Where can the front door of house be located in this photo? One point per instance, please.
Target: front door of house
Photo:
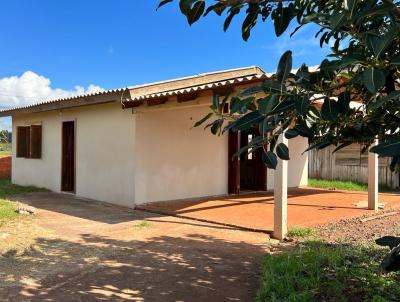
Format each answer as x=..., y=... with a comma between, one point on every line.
x=68, y=157
x=249, y=172
x=251, y=177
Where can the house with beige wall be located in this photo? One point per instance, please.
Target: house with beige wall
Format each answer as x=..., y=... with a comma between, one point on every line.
x=137, y=145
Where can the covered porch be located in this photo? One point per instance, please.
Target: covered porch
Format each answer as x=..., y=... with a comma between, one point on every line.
x=306, y=207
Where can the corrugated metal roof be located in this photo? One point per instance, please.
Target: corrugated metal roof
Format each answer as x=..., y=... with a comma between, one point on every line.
x=197, y=88
x=254, y=67
x=48, y=102
x=153, y=90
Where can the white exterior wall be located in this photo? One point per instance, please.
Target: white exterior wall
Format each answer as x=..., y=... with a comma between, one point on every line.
x=176, y=161
x=297, y=165
x=128, y=159
x=104, y=144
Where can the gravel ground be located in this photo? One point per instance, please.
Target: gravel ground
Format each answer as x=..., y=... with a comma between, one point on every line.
x=362, y=232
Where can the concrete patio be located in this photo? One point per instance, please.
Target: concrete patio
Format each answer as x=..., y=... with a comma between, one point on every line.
x=307, y=207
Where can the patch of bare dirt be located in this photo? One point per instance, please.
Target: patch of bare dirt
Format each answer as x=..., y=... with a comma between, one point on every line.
x=363, y=230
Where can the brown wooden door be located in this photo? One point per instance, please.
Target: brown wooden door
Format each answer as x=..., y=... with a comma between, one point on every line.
x=68, y=157
x=253, y=173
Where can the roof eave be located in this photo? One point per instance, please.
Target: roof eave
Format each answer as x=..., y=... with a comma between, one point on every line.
x=79, y=101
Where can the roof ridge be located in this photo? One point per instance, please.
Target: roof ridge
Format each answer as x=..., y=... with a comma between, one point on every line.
x=194, y=76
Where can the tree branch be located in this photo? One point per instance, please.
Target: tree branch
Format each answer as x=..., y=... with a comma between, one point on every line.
x=396, y=9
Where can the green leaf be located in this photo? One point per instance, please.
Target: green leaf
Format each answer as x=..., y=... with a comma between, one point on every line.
x=337, y=20
x=302, y=104
x=330, y=110
x=282, y=17
x=268, y=104
x=248, y=120
x=198, y=123
x=313, y=113
x=252, y=90
x=304, y=131
x=282, y=151
x=196, y=12
x=164, y=2
x=379, y=44
x=379, y=102
x=291, y=133
x=222, y=104
x=342, y=146
x=217, y=8
x=269, y=159
x=346, y=61
x=373, y=79
x=395, y=60
x=216, y=125
x=350, y=5
x=255, y=143
x=344, y=102
x=376, y=104
x=273, y=87
x=248, y=23
x=185, y=6
x=228, y=20
x=390, y=148
x=272, y=143
x=286, y=105
x=215, y=102
x=284, y=66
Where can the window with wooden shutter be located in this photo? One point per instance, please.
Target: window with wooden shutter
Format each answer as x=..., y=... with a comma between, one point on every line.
x=29, y=141
x=23, y=141
x=36, y=141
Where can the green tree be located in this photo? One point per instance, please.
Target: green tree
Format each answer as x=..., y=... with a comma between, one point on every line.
x=362, y=67
x=5, y=136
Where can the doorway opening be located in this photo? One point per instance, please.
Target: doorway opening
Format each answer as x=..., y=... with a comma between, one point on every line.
x=247, y=173
x=68, y=157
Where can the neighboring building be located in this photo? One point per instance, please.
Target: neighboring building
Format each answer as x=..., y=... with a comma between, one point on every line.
x=138, y=145
x=349, y=164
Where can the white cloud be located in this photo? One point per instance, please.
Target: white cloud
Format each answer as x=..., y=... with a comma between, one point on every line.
x=31, y=88
x=5, y=123
x=303, y=43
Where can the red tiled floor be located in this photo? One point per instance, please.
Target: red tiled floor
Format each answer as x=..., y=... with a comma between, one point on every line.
x=306, y=207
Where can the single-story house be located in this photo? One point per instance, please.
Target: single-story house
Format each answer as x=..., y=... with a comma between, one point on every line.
x=137, y=144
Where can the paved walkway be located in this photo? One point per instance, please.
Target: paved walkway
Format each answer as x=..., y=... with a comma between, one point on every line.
x=306, y=207
x=102, y=252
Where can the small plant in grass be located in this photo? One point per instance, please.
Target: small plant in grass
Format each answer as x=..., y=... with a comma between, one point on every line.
x=142, y=224
x=7, y=189
x=301, y=232
x=318, y=271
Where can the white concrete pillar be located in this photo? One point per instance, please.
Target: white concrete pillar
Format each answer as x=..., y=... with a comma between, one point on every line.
x=280, y=195
x=373, y=173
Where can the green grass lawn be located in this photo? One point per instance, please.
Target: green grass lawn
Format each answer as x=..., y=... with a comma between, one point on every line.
x=317, y=271
x=7, y=208
x=347, y=185
x=5, y=149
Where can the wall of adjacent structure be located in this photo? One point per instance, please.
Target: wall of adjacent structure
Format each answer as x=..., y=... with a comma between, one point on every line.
x=104, y=144
x=349, y=164
x=174, y=160
x=297, y=165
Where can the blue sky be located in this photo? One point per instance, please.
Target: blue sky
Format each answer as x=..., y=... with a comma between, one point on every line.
x=111, y=44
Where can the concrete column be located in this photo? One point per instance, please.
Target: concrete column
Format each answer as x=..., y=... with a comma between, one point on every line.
x=373, y=173
x=280, y=195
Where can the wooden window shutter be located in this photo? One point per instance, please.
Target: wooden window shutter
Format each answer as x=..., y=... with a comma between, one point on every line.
x=36, y=141
x=23, y=141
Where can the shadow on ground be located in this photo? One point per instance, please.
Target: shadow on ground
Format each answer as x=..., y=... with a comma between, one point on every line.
x=95, y=268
